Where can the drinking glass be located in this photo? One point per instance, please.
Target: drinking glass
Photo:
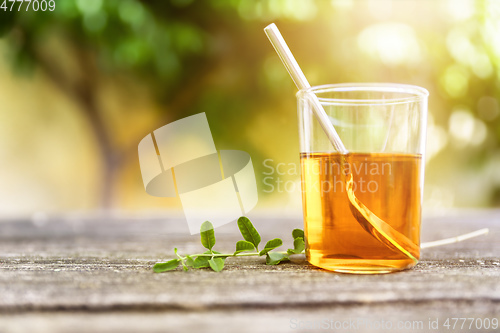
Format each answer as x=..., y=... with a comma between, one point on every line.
x=362, y=210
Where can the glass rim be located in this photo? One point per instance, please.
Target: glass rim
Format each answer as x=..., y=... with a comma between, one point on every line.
x=416, y=93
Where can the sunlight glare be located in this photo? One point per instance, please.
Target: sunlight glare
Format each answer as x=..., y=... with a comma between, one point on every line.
x=394, y=43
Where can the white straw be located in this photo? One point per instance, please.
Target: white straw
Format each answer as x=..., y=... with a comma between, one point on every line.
x=455, y=239
x=301, y=82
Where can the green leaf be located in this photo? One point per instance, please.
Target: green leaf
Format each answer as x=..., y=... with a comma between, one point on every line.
x=185, y=268
x=166, y=266
x=271, y=245
x=298, y=233
x=242, y=246
x=274, y=258
x=189, y=261
x=248, y=231
x=298, y=246
x=201, y=262
x=217, y=264
x=207, y=235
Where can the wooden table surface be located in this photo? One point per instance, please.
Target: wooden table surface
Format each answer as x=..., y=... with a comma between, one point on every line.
x=93, y=274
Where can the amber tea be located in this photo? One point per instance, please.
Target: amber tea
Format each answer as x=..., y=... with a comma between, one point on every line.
x=388, y=184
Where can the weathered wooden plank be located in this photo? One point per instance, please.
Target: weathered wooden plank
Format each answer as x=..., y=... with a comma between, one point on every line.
x=71, y=271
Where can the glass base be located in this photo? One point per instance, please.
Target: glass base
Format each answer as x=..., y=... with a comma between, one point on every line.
x=362, y=266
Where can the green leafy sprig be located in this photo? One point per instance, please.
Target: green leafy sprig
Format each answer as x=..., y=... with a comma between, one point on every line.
x=248, y=247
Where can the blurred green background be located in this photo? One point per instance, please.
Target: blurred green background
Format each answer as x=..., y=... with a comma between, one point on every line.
x=80, y=86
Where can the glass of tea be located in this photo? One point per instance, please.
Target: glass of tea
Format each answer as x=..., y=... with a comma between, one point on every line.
x=362, y=210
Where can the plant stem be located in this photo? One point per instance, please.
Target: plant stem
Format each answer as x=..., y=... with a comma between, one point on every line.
x=247, y=254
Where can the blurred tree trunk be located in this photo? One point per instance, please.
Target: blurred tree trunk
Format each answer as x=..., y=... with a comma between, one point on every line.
x=84, y=94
